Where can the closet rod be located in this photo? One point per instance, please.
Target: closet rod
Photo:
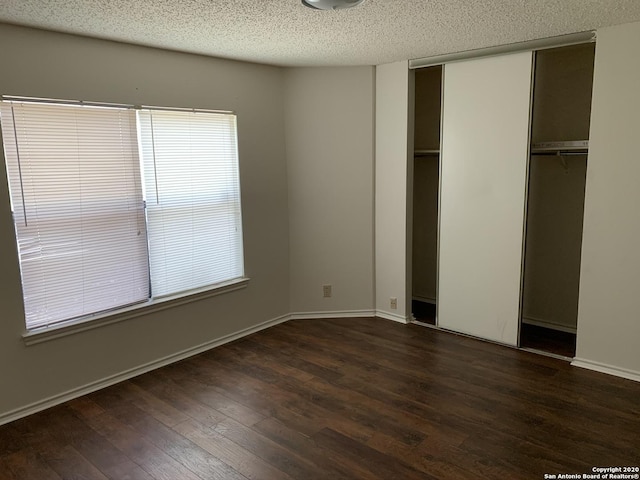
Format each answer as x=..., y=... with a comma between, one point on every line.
x=571, y=147
x=559, y=153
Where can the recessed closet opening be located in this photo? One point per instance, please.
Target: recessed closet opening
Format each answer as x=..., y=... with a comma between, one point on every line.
x=557, y=172
x=426, y=181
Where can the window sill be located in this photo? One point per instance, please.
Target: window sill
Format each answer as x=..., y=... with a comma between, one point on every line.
x=44, y=334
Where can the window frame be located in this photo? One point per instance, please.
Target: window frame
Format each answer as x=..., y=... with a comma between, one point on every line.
x=221, y=193
x=98, y=320
x=43, y=333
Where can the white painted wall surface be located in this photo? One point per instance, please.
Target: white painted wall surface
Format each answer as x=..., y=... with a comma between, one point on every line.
x=44, y=64
x=392, y=114
x=608, y=313
x=485, y=132
x=329, y=145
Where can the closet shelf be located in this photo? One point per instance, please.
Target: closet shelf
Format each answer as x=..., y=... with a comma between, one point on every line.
x=574, y=147
x=426, y=153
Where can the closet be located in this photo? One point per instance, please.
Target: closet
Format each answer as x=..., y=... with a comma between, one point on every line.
x=426, y=180
x=555, y=201
x=499, y=169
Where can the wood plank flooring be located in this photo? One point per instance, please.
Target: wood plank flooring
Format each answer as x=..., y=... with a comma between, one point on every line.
x=337, y=399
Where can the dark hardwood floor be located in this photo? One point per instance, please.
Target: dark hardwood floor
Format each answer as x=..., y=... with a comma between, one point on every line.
x=338, y=399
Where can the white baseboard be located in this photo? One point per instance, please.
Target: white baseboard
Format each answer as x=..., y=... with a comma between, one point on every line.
x=553, y=326
x=608, y=369
x=133, y=372
x=332, y=314
x=393, y=317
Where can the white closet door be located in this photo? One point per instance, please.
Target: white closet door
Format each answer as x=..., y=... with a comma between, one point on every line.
x=485, y=136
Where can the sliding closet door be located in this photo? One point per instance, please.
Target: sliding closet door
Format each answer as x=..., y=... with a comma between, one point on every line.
x=485, y=136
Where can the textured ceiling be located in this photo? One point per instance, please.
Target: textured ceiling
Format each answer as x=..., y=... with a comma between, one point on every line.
x=283, y=32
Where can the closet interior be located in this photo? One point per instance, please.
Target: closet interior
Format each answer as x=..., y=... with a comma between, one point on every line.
x=557, y=172
x=426, y=180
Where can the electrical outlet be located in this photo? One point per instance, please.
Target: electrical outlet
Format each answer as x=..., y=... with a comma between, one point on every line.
x=326, y=291
x=394, y=303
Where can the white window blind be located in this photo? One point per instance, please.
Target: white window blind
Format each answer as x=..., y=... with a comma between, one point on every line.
x=192, y=191
x=77, y=199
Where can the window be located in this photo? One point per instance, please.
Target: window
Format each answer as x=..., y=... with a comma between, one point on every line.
x=114, y=206
x=193, y=199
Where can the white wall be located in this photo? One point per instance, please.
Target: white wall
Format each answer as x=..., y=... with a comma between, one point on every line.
x=608, y=313
x=392, y=144
x=42, y=64
x=329, y=146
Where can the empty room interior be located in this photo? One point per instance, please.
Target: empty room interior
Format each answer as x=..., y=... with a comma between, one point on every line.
x=345, y=239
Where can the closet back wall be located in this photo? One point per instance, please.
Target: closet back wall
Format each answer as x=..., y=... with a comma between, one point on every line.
x=426, y=182
x=561, y=113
